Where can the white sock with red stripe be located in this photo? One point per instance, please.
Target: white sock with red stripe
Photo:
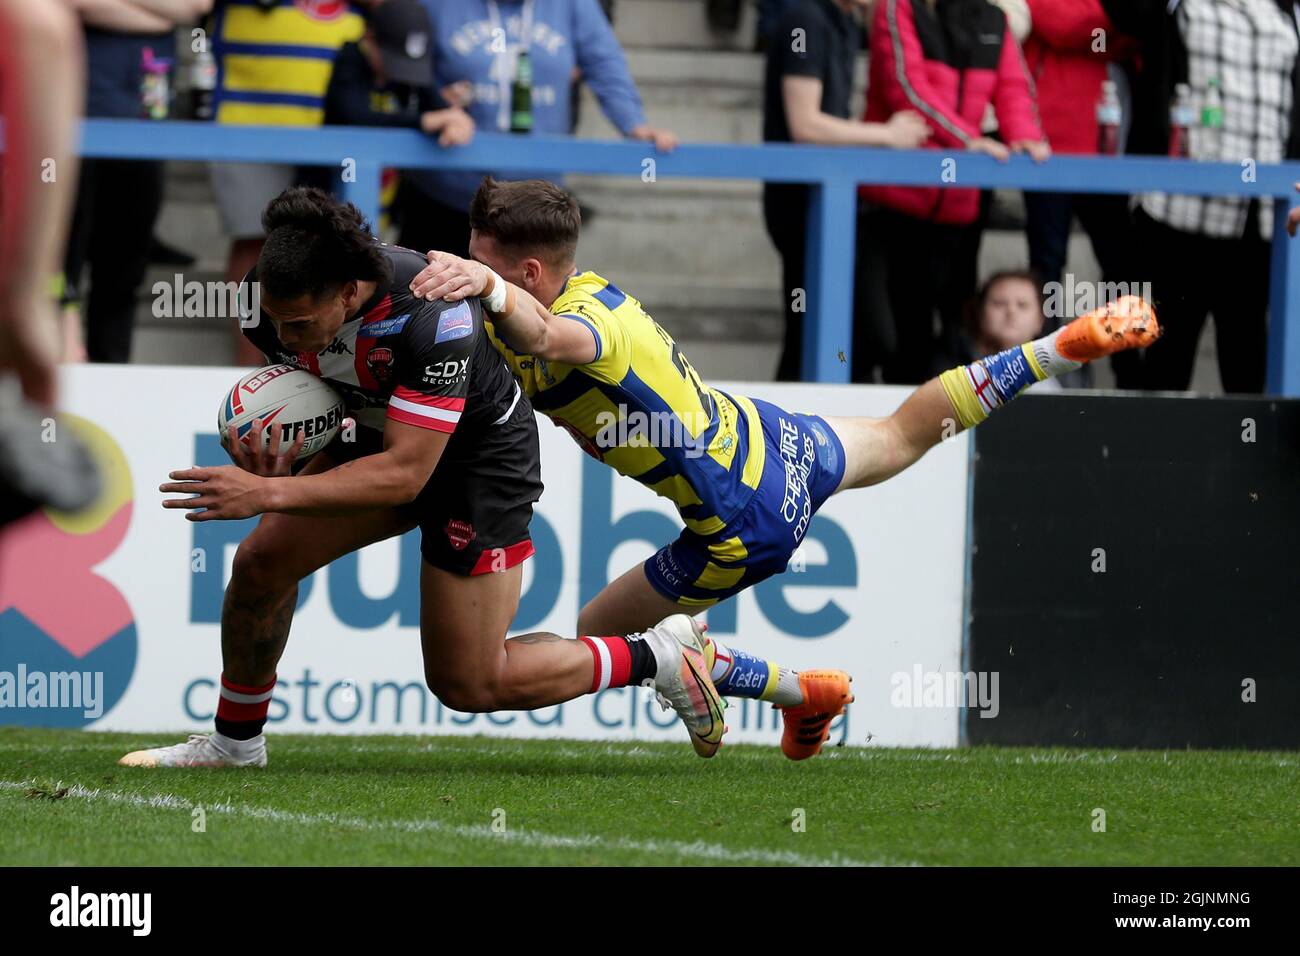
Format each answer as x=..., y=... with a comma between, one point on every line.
x=619, y=662
x=241, y=709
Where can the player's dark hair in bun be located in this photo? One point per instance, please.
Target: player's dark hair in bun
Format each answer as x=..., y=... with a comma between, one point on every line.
x=314, y=244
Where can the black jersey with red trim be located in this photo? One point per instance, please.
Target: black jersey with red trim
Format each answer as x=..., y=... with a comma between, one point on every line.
x=429, y=364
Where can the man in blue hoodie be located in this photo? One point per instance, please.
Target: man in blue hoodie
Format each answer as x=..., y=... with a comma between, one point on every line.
x=477, y=47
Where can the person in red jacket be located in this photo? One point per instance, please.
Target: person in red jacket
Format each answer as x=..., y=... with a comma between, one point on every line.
x=949, y=60
x=1071, y=50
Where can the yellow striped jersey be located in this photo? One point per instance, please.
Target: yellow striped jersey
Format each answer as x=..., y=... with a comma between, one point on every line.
x=274, y=64
x=641, y=408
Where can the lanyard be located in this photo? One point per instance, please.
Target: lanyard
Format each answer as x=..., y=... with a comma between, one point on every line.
x=506, y=67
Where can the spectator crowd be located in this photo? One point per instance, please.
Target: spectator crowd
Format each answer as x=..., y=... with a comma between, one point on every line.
x=1209, y=80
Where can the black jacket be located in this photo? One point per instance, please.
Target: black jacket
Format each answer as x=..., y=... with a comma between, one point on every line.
x=350, y=98
x=1164, y=66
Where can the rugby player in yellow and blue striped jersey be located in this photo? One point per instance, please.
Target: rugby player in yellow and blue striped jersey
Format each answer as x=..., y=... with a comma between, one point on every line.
x=745, y=475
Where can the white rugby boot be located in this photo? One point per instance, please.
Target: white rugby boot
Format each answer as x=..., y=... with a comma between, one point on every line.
x=683, y=683
x=202, y=750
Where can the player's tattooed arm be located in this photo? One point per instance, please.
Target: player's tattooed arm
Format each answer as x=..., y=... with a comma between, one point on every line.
x=538, y=638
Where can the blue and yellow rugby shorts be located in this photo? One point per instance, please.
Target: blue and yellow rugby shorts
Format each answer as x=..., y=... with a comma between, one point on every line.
x=803, y=467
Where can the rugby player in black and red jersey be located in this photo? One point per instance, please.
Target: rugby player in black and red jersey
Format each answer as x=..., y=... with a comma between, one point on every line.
x=445, y=442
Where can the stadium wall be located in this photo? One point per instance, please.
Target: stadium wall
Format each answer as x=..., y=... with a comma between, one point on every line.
x=130, y=595
x=1135, y=572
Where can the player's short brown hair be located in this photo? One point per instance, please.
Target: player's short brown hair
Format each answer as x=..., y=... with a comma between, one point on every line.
x=529, y=216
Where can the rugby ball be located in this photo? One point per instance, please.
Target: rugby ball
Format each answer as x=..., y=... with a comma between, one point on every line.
x=286, y=398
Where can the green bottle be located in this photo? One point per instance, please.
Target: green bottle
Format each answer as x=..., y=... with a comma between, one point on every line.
x=521, y=96
x=1212, y=121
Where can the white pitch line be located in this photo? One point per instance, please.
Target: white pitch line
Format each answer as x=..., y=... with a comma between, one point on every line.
x=632, y=749
x=693, y=850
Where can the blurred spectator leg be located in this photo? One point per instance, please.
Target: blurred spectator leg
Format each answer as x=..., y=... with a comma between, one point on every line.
x=723, y=15
x=874, y=338
x=1239, y=301
x=917, y=271
x=1047, y=227
x=242, y=191
x=128, y=197
x=244, y=254
x=78, y=250
x=1048, y=218
x=790, y=365
x=1181, y=275
x=164, y=254
x=427, y=224
x=960, y=284
x=1109, y=225
x=785, y=214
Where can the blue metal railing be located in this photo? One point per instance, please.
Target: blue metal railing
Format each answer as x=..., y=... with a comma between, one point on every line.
x=833, y=173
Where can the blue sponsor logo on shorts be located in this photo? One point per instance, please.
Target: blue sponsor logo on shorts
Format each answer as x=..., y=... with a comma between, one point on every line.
x=384, y=327
x=826, y=452
x=455, y=323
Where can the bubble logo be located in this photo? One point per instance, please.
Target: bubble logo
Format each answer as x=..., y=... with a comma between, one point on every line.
x=68, y=640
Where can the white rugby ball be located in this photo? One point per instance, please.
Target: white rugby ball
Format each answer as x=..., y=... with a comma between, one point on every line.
x=289, y=399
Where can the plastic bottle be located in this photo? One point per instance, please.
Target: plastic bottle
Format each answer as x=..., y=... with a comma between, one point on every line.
x=203, y=84
x=155, y=86
x=1212, y=122
x=1109, y=117
x=1182, y=117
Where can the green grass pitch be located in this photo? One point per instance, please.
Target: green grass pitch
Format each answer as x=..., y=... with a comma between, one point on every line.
x=475, y=800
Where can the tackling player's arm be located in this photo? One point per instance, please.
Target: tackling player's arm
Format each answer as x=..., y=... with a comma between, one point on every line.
x=519, y=318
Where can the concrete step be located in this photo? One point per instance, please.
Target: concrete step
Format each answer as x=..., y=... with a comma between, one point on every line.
x=690, y=227
x=678, y=24
x=182, y=344
x=744, y=256
x=695, y=306
x=194, y=228
x=736, y=361
x=704, y=99
x=700, y=76
x=739, y=122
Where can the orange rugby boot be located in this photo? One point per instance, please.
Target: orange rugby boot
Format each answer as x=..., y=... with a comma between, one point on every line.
x=825, y=695
x=1127, y=323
